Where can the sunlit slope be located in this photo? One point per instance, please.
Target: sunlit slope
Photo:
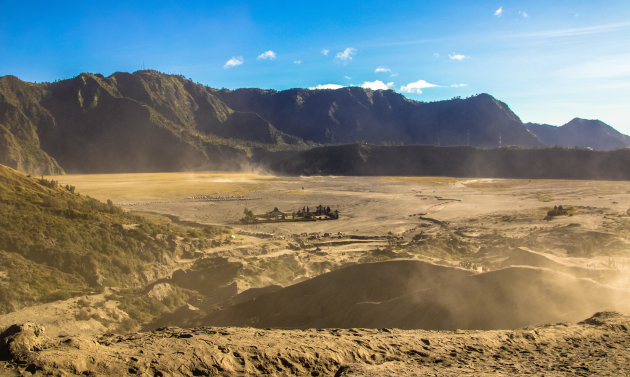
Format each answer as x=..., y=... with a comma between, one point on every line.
x=55, y=243
x=20, y=116
x=147, y=186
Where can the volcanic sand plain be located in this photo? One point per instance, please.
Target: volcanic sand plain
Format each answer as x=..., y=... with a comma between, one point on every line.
x=467, y=224
x=462, y=222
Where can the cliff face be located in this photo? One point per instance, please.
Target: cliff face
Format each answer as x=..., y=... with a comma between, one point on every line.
x=126, y=122
x=20, y=115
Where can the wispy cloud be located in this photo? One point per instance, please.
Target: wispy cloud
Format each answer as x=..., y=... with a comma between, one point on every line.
x=297, y=62
x=458, y=57
x=577, y=31
x=346, y=54
x=382, y=69
x=233, y=62
x=267, y=55
x=603, y=67
x=416, y=87
x=326, y=86
x=499, y=11
x=377, y=85
x=325, y=52
x=458, y=85
x=410, y=42
x=347, y=77
x=523, y=13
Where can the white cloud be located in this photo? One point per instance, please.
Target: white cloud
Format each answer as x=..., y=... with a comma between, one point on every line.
x=297, y=62
x=416, y=87
x=458, y=85
x=382, y=69
x=498, y=12
x=347, y=77
x=235, y=61
x=346, y=54
x=267, y=55
x=326, y=86
x=377, y=85
x=458, y=57
x=523, y=13
x=325, y=52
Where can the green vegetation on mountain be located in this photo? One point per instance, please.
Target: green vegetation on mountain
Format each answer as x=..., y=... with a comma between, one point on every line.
x=24, y=282
x=143, y=308
x=55, y=243
x=20, y=116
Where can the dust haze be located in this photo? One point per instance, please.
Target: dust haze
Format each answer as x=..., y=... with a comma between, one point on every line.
x=409, y=253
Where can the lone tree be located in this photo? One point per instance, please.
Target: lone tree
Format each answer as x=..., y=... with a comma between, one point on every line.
x=556, y=211
x=249, y=216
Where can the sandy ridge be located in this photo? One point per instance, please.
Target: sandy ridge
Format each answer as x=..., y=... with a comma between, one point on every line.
x=599, y=345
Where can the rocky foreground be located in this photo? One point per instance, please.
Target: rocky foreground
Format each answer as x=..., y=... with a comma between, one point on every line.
x=599, y=345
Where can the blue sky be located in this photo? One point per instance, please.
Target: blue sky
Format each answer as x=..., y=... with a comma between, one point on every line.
x=548, y=60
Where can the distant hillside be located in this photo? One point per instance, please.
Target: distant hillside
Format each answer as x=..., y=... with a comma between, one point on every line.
x=352, y=115
x=150, y=121
x=55, y=243
x=582, y=133
x=359, y=159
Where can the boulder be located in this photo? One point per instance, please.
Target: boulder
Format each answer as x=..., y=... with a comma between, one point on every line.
x=17, y=342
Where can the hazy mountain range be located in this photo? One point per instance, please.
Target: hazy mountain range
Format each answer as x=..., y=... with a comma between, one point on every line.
x=581, y=133
x=149, y=121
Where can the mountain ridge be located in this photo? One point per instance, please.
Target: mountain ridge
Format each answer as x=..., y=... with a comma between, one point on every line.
x=589, y=133
x=368, y=114
x=150, y=121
